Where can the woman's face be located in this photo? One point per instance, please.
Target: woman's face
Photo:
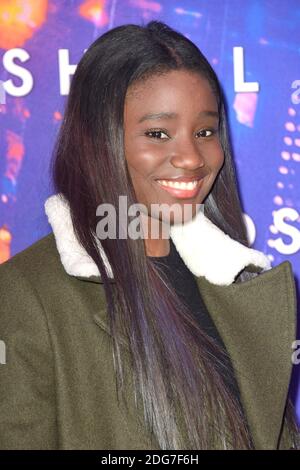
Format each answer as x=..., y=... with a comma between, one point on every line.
x=170, y=132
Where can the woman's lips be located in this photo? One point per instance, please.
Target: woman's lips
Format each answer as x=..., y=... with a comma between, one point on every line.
x=182, y=193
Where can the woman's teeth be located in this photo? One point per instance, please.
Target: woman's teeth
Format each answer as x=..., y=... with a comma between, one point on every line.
x=179, y=185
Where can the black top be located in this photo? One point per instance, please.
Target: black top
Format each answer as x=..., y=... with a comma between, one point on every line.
x=185, y=284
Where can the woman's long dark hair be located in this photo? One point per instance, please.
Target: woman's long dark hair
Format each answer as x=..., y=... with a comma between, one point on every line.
x=179, y=372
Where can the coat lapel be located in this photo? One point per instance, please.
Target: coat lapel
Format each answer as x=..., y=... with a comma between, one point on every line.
x=256, y=319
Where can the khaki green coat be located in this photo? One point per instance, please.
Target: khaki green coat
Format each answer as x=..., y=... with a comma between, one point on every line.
x=57, y=385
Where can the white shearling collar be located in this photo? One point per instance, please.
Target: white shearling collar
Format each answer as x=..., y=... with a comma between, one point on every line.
x=205, y=249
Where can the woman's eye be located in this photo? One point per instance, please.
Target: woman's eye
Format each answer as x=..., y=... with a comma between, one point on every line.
x=155, y=134
x=208, y=132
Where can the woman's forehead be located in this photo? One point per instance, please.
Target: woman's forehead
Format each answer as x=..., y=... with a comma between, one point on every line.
x=169, y=95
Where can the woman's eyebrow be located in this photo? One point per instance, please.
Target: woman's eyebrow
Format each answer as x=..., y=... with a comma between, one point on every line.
x=172, y=115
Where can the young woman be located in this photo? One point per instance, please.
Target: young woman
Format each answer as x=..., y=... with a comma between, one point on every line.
x=177, y=342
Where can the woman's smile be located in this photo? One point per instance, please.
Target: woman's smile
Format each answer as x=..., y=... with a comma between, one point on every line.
x=181, y=189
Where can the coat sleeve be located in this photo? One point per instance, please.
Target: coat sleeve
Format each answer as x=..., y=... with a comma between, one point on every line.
x=27, y=380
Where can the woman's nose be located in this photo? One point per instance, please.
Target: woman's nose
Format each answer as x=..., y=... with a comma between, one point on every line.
x=187, y=155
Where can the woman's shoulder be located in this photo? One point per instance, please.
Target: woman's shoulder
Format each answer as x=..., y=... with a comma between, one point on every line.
x=35, y=288
x=38, y=270
x=40, y=258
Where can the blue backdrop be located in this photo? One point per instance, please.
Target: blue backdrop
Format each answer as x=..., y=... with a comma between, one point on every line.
x=253, y=45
